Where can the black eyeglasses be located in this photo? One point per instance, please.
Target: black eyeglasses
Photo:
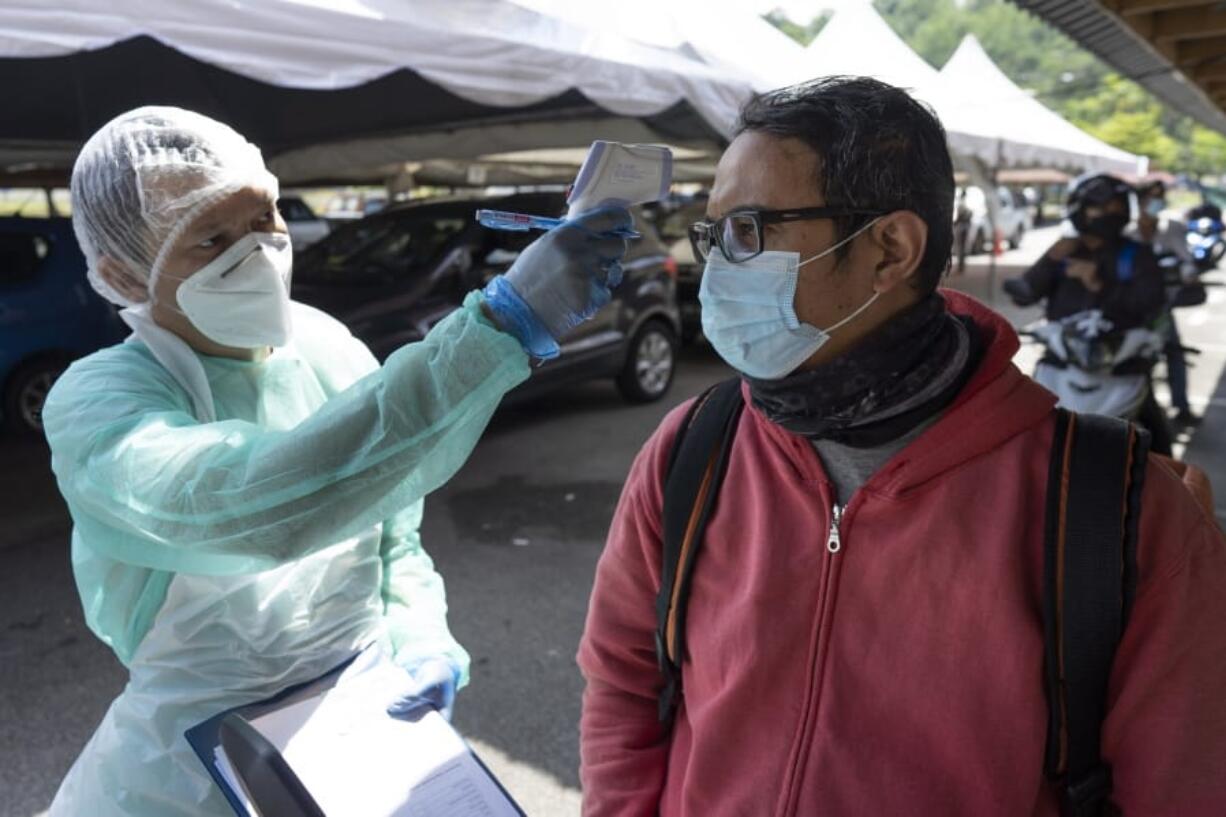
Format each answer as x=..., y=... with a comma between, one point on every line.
x=739, y=234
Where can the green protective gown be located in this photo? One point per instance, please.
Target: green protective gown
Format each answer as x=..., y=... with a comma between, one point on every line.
x=223, y=561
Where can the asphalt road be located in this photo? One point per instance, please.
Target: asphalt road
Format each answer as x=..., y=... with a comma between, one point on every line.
x=516, y=535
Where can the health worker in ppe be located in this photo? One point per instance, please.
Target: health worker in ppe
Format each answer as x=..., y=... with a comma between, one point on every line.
x=245, y=480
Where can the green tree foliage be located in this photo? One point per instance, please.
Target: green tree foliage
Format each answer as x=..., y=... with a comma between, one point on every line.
x=1140, y=133
x=1123, y=114
x=802, y=34
x=1206, y=152
x=1061, y=74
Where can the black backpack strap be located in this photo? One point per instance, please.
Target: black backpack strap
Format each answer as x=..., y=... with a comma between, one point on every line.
x=697, y=464
x=1089, y=580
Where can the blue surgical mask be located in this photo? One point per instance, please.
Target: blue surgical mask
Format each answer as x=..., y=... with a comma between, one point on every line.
x=1154, y=207
x=749, y=314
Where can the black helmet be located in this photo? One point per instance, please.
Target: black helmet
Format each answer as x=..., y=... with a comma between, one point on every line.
x=1099, y=191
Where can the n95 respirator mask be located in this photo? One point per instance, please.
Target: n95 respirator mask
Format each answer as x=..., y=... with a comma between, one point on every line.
x=241, y=298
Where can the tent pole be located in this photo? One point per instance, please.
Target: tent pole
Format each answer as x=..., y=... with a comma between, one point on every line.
x=992, y=251
x=992, y=218
x=983, y=176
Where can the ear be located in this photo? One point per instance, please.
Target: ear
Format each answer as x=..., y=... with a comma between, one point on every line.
x=121, y=280
x=901, y=238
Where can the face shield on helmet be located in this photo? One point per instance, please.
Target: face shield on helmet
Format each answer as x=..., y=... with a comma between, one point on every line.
x=142, y=179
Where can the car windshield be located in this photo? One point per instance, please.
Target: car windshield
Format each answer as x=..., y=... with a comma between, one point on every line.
x=673, y=223
x=295, y=210
x=379, y=249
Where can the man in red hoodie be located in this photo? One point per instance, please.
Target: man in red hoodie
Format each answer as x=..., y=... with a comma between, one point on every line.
x=865, y=630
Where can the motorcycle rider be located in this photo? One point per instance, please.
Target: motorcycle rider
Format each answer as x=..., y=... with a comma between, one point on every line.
x=1167, y=236
x=1100, y=269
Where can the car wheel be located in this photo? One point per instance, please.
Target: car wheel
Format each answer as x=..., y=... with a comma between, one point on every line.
x=1016, y=240
x=650, y=363
x=26, y=392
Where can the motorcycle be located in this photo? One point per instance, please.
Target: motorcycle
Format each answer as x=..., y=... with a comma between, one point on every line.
x=1207, y=242
x=1093, y=368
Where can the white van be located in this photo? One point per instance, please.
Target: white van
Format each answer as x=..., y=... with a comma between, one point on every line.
x=1013, y=217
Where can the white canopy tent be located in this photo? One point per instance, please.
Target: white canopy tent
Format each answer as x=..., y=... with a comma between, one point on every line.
x=725, y=34
x=329, y=86
x=858, y=41
x=987, y=117
x=336, y=88
x=978, y=99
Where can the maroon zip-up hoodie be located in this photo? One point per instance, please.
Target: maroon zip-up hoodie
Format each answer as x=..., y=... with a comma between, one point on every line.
x=902, y=675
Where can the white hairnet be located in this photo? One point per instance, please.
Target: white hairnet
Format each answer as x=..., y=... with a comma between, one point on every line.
x=144, y=177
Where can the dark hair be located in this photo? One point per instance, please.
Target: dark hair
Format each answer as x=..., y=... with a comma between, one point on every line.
x=878, y=148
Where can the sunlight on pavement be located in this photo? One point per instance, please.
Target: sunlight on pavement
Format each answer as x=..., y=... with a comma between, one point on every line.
x=537, y=792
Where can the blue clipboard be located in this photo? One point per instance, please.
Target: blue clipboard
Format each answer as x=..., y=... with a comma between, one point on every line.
x=205, y=737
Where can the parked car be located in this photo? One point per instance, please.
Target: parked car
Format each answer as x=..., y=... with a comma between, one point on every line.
x=49, y=315
x=672, y=219
x=393, y=275
x=1013, y=216
x=305, y=228
x=346, y=207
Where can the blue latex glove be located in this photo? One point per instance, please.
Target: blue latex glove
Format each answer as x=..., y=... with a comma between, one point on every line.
x=431, y=685
x=561, y=279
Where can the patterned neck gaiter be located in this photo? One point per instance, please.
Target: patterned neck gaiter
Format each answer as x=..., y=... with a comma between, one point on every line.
x=901, y=375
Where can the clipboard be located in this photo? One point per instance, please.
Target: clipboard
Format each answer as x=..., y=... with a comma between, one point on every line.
x=352, y=757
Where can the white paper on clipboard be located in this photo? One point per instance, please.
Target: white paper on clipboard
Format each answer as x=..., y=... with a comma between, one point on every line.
x=358, y=761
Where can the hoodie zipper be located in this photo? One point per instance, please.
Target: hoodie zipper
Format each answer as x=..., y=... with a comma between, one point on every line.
x=818, y=650
x=834, y=542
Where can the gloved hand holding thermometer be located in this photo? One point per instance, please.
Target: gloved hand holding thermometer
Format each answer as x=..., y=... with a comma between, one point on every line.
x=567, y=275
x=560, y=280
